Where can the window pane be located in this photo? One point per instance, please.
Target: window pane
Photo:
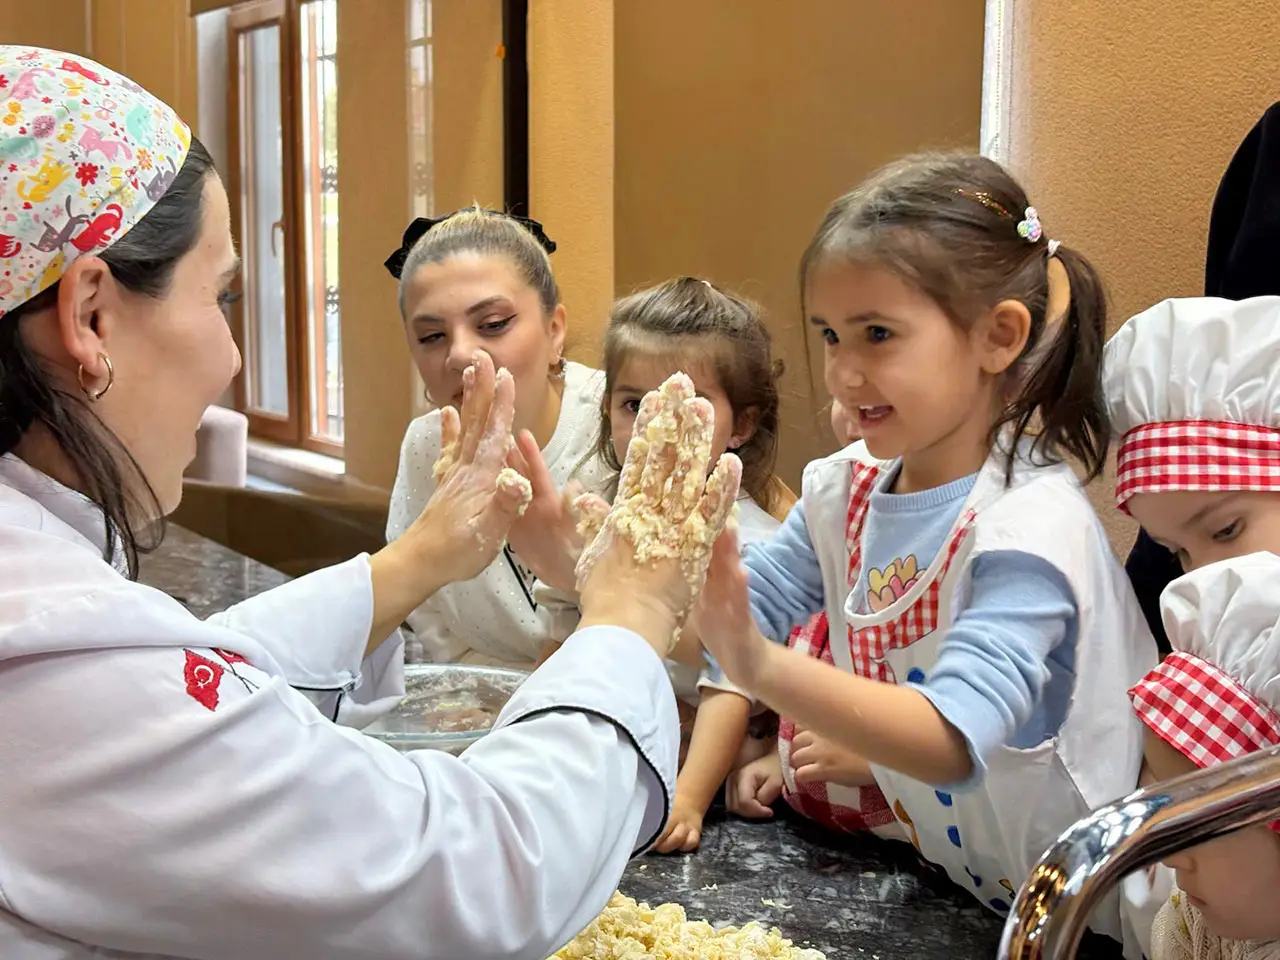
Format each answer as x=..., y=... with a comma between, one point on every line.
x=319, y=85
x=262, y=227
x=420, y=78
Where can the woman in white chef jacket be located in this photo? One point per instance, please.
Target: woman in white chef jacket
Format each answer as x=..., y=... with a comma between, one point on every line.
x=167, y=791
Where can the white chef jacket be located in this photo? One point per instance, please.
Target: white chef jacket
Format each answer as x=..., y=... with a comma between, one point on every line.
x=168, y=792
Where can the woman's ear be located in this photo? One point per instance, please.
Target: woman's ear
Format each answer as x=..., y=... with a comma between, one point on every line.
x=84, y=326
x=557, y=325
x=1001, y=335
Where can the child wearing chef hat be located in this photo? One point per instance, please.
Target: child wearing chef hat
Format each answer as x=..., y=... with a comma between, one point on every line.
x=1216, y=698
x=1193, y=390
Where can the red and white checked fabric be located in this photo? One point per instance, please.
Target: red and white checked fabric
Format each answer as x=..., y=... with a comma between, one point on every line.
x=812, y=800
x=867, y=648
x=1203, y=712
x=868, y=644
x=1189, y=455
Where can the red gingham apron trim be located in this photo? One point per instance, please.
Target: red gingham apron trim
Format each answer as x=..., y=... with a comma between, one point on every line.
x=811, y=800
x=1189, y=455
x=1203, y=712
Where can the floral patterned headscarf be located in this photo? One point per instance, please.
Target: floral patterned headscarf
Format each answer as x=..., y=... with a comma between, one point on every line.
x=84, y=155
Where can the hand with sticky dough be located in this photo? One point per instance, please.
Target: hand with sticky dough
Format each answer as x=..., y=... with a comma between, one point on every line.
x=465, y=522
x=649, y=557
x=478, y=496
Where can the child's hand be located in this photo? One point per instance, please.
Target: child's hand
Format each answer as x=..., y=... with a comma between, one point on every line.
x=723, y=616
x=684, y=829
x=752, y=791
x=818, y=760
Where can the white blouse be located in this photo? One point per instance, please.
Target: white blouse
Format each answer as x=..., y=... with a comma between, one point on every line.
x=169, y=791
x=493, y=614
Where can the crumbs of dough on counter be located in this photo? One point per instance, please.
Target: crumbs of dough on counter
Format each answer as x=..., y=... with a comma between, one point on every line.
x=634, y=931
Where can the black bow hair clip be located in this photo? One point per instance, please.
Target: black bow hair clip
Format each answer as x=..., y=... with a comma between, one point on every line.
x=421, y=226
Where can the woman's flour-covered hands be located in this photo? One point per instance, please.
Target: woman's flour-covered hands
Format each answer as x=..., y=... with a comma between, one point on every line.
x=648, y=559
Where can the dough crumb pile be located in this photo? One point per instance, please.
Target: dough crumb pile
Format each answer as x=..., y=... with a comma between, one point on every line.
x=634, y=931
x=512, y=481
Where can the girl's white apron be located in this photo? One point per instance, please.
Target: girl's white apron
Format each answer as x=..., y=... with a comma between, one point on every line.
x=988, y=838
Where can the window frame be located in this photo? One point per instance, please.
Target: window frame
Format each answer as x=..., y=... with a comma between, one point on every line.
x=294, y=429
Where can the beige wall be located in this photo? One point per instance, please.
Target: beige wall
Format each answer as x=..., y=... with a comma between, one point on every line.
x=150, y=41
x=57, y=24
x=1124, y=117
x=738, y=121
x=374, y=207
x=571, y=153
x=466, y=102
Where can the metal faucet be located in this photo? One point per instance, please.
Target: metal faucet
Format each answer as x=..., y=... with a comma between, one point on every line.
x=1089, y=859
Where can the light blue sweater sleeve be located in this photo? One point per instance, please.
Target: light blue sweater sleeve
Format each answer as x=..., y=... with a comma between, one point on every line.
x=1006, y=667
x=785, y=580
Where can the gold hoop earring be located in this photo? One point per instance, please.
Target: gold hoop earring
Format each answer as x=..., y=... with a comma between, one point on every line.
x=95, y=396
x=557, y=373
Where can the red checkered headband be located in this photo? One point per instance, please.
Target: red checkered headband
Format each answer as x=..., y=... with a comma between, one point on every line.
x=1217, y=696
x=1193, y=389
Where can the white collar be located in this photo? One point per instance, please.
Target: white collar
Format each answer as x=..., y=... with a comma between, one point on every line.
x=60, y=511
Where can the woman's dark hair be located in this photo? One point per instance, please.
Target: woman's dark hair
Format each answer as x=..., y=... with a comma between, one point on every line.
x=143, y=262
x=690, y=321
x=948, y=225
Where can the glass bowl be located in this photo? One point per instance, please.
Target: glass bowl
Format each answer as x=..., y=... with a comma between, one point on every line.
x=446, y=706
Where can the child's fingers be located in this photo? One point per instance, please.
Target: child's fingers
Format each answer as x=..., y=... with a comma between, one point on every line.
x=810, y=773
x=770, y=791
x=675, y=839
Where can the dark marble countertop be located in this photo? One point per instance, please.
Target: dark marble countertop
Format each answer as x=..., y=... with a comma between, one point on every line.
x=850, y=897
x=203, y=575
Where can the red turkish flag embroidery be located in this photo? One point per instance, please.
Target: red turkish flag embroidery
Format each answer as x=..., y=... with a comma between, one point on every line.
x=230, y=657
x=203, y=677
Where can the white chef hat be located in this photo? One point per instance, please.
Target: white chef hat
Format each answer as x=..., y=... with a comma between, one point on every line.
x=1193, y=390
x=1217, y=696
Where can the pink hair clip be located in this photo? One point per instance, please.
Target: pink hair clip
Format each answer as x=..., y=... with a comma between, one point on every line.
x=1029, y=228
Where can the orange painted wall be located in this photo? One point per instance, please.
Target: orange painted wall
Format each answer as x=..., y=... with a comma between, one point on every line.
x=1123, y=118
x=374, y=208
x=150, y=41
x=467, y=111
x=571, y=154
x=738, y=121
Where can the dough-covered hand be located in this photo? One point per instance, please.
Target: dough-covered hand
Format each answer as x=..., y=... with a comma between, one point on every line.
x=466, y=520
x=649, y=559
